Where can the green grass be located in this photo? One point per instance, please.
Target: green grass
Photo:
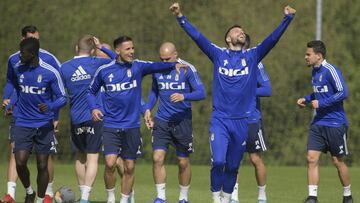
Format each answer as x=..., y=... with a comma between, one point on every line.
x=285, y=184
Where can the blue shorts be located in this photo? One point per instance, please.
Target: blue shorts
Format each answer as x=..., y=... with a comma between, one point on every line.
x=256, y=141
x=126, y=143
x=42, y=139
x=11, y=129
x=179, y=134
x=325, y=138
x=86, y=137
x=228, y=140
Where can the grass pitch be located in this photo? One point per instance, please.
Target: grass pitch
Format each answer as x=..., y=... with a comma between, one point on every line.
x=285, y=184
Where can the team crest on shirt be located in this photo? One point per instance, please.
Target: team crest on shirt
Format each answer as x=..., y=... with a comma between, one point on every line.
x=111, y=76
x=243, y=62
x=39, y=79
x=129, y=72
x=212, y=137
x=176, y=77
x=320, y=78
x=21, y=79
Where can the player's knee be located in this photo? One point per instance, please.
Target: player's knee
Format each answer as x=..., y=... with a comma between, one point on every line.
x=129, y=169
x=256, y=160
x=20, y=163
x=183, y=164
x=42, y=165
x=338, y=162
x=312, y=159
x=110, y=165
x=158, y=159
x=218, y=165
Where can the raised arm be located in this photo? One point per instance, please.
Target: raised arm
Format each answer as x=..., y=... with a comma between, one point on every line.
x=265, y=46
x=264, y=86
x=107, y=51
x=203, y=43
x=148, y=67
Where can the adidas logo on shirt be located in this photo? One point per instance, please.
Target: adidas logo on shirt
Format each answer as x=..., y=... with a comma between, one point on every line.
x=80, y=74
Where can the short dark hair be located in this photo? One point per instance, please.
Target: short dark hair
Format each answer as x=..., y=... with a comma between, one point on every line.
x=118, y=41
x=318, y=46
x=31, y=45
x=227, y=32
x=247, y=41
x=28, y=29
x=86, y=43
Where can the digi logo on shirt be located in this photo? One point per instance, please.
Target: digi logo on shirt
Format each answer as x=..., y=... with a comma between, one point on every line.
x=32, y=89
x=320, y=89
x=121, y=86
x=233, y=72
x=171, y=85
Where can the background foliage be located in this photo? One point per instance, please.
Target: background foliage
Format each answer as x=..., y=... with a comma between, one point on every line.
x=150, y=23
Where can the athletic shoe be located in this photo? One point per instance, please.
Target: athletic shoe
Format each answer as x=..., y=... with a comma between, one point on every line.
x=7, y=199
x=347, y=199
x=311, y=199
x=262, y=201
x=158, y=200
x=183, y=201
x=48, y=199
x=84, y=201
x=30, y=198
x=234, y=201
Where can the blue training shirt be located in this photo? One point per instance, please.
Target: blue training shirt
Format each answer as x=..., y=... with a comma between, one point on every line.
x=122, y=84
x=330, y=90
x=234, y=83
x=77, y=75
x=165, y=84
x=263, y=89
x=35, y=85
x=14, y=60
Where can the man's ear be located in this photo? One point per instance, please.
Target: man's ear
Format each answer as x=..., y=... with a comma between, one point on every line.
x=117, y=51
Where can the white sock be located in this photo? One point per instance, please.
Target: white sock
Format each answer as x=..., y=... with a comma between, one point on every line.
x=86, y=192
x=11, y=189
x=226, y=197
x=81, y=188
x=132, y=196
x=235, y=193
x=313, y=190
x=39, y=200
x=161, y=188
x=216, y=197
x=262, y=192
x=29, y=190
x=111, y=195
x=347, y=190
x=184, y=192
x=49, y=189
x=124, y=198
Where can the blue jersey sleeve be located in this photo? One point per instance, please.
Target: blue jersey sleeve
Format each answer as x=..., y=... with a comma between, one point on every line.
x=58, y=91
x=9, y=87
x=148, y=67
x=109, y=52
x=263, y=82
x=197, y=88
x=153, y=95
x=337, y=82
x=203, y=43
x=265, y=46
x=93, y=90
x=309, y=97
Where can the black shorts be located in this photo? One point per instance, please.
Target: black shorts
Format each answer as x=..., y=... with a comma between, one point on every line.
x=256, y=141
x=42, y=139
x=179, y=134
x=126, y=143
x=325, y=138
x=86, y=137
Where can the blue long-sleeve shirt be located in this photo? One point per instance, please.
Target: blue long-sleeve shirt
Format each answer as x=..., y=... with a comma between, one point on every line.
x=122, y=84
x=77, y=75
x=14, y=60
x=165, y=84
x=263, y=89
x=330, y=90
x=36, y=85
x=234, y=83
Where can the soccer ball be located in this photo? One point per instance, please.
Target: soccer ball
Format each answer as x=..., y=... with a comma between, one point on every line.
x=64, y=195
